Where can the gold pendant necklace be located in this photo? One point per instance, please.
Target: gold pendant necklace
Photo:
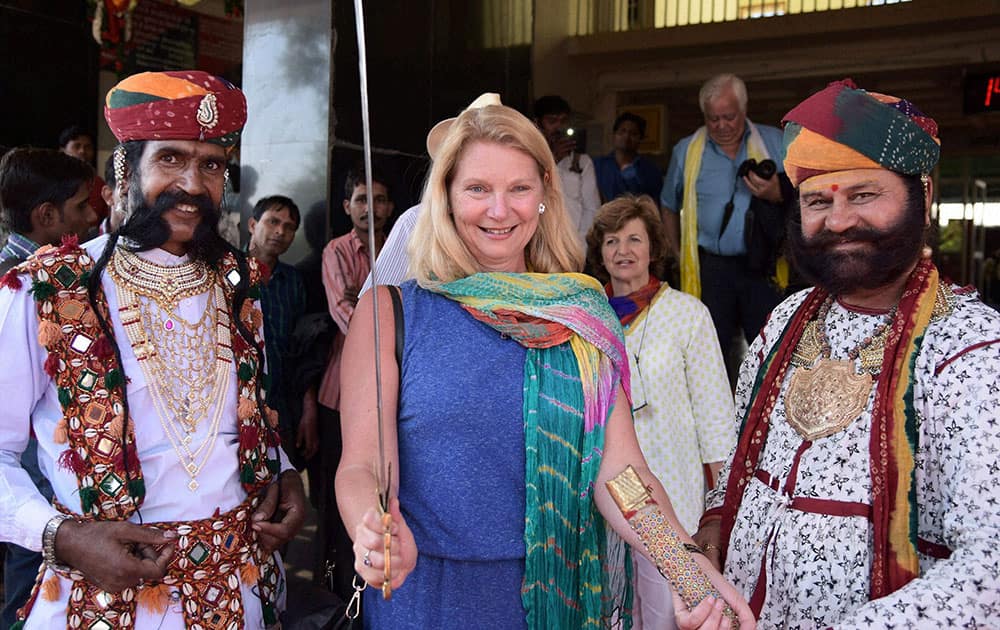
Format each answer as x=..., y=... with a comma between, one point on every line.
x=166, y=285
x=187, y=368
x=826, y=395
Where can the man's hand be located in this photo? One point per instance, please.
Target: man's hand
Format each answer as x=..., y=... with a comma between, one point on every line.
x=766, y=189
x=287, y=498
x=707, y=537
x=707, y=615
x=307, y=436
x=562, y=146
x=114, y=555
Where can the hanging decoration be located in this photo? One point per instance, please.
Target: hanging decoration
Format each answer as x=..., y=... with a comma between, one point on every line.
x=111, y=26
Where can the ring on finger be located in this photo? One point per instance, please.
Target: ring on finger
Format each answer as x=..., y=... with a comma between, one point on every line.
x=367, y=561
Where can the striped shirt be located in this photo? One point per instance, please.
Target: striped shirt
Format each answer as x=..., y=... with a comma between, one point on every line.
x=393, y=262
x=283, y=301
x=345, y=266
x=18, y=246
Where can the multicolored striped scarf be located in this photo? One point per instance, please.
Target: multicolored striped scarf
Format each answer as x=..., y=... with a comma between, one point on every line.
x=894, y=430
x=569, y=391
x=628, y=307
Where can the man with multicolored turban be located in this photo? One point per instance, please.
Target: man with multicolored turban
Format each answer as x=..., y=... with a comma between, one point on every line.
x=863, y=490
x=137, y=361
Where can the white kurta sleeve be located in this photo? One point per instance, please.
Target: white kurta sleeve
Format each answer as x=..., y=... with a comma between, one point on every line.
x=708, y=389
x=23, y=510
x=958, y=489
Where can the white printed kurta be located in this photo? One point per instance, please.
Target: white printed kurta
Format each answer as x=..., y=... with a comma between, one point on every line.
x=688, y=419
x=30, y=402
x=818, y=566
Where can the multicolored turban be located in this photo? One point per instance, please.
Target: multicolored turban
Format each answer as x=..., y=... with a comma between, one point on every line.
x=179, y=105
x=842, y=128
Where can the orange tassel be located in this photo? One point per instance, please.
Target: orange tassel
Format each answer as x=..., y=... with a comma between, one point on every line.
x=154, y=598
x=257, y=318
x=272, y=418
x=48, y=333
x=245, y=409
x=249, y=573
x=115, y=427
x=61, y=434
x=89, y=319
x=51, y=588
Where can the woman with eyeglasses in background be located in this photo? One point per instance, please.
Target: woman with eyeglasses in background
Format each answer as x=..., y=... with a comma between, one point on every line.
x=681, y=401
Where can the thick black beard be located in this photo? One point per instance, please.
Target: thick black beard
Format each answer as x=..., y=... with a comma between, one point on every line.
x=893, y=252
x=146, y=228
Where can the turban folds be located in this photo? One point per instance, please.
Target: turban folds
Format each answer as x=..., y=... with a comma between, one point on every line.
x=842, y=127
x=177, y=105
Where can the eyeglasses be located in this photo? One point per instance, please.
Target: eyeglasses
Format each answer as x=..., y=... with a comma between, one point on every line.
x=638, y=388
x=638, y=385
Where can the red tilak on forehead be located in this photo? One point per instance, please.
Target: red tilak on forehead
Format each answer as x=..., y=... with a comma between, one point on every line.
x=834, y=187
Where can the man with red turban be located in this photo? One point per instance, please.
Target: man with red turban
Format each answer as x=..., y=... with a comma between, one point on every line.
x=862, y=492
x=137, y=360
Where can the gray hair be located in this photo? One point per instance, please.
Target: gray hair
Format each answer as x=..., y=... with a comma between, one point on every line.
x=714, y=88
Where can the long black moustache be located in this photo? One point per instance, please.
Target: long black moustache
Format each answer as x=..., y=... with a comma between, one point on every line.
x=147, y=229
x=896, y=249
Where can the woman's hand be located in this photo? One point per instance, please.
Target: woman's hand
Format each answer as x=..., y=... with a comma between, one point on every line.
x=707, y=615
x=369, y=550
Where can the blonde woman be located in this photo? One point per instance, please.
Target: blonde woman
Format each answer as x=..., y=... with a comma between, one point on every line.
x=511, y=410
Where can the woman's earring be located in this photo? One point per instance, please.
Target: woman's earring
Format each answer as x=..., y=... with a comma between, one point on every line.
x=541, y=208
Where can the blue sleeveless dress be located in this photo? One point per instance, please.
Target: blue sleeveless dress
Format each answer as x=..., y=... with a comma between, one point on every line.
x=461, y=478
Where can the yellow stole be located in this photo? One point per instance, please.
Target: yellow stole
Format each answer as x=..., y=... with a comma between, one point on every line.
x=690, y=271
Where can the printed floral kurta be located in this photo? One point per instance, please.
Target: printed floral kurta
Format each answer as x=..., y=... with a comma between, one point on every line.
x=817, y=565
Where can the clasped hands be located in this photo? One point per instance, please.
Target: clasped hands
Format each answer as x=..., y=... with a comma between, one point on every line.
x=115, y=555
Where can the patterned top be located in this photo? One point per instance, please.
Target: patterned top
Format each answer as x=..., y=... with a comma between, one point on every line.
x=818, y=565
x=688, y=417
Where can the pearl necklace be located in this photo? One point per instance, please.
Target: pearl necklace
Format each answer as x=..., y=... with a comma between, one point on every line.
x=180, y=412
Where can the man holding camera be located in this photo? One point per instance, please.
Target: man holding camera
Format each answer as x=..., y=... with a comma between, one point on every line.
x=576, y=169
x=721, y=198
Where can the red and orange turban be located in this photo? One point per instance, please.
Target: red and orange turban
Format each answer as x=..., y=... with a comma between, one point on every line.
x=180, y=105
x=842, y=127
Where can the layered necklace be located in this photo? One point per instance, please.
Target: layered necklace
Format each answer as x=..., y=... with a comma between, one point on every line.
x=825, y=395
x=187, y=365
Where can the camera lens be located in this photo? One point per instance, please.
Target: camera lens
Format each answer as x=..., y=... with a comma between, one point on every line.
x=766, y=169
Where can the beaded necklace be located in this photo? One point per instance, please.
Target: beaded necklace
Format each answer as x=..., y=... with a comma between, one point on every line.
x=166, y=285
x=185, y=384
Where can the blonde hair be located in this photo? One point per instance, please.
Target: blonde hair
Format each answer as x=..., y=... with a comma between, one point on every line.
x=437, y=252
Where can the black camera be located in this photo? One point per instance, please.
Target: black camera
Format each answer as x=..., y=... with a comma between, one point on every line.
x=765, y=170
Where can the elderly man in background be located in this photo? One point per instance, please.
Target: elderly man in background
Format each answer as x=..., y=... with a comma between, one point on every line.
x=706, y=197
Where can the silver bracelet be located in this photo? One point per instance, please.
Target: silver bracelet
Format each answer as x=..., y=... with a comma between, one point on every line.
x=49, y=542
